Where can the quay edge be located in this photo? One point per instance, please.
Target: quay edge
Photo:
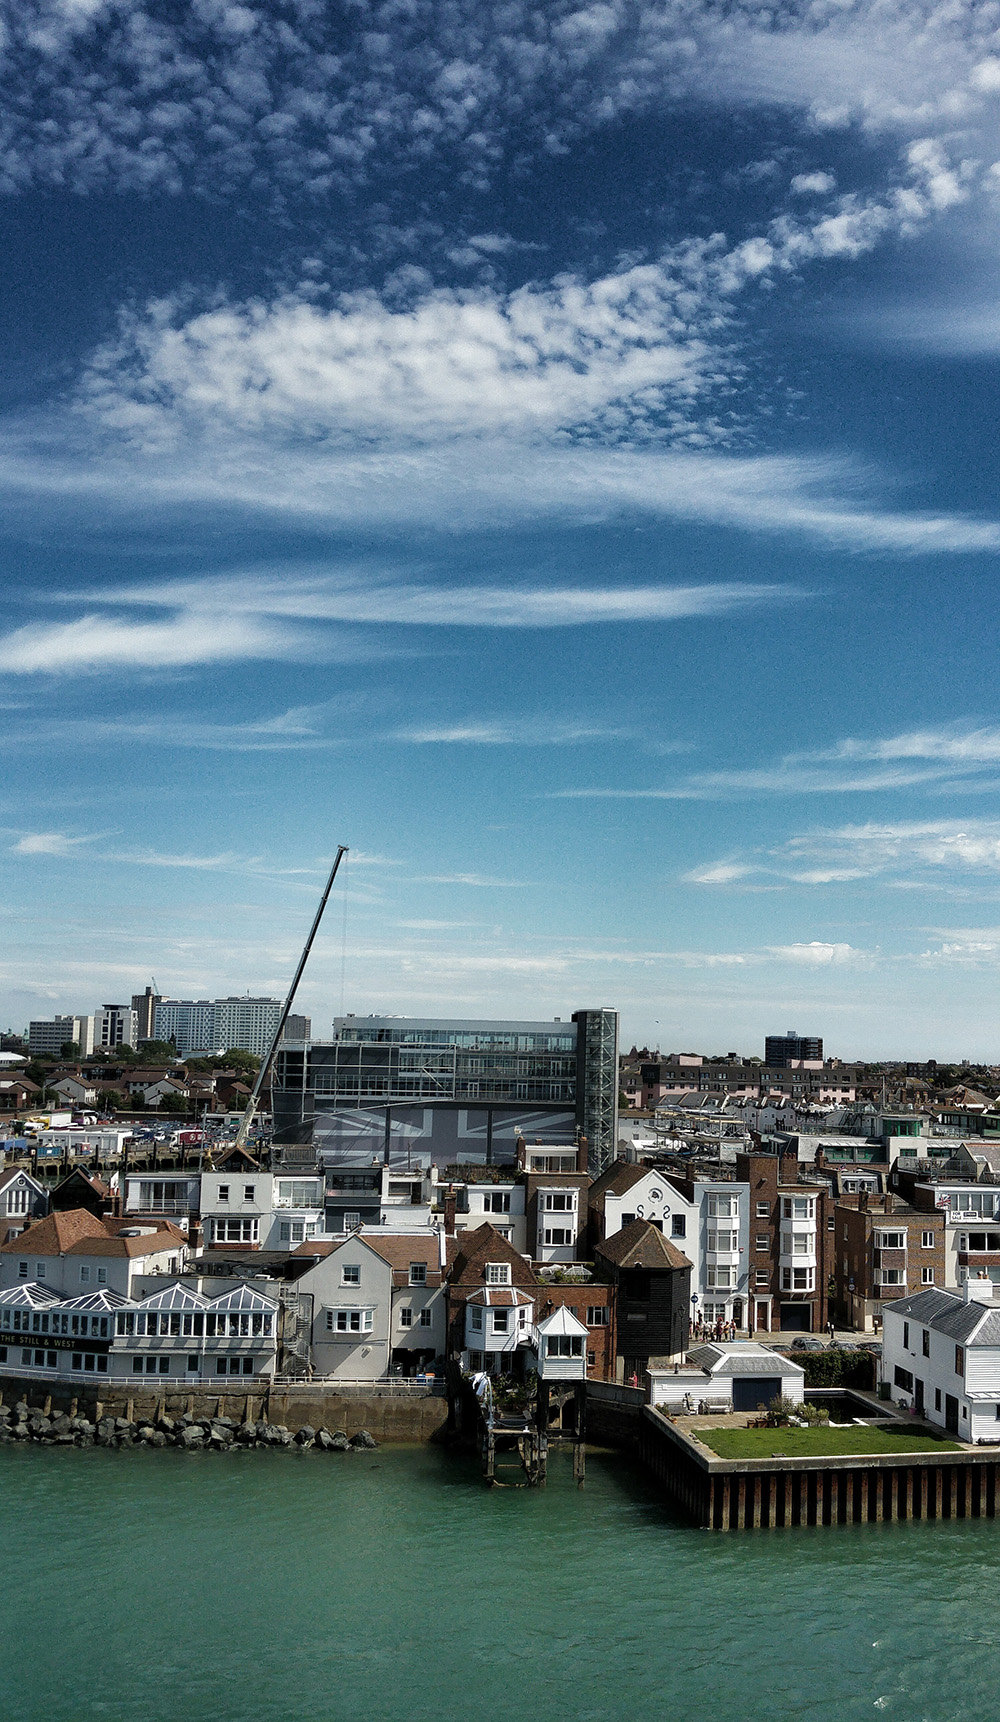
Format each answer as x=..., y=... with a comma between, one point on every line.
x=748, y=1494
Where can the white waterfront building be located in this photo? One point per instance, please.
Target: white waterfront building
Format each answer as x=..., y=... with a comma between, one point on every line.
x=176, y=1334
x=941, y=1358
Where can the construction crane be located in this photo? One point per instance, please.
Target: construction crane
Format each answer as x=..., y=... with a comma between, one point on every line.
x=252, y=1104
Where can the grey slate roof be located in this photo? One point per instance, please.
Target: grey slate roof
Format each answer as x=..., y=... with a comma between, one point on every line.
x=743, y=1360
x=975, y=1323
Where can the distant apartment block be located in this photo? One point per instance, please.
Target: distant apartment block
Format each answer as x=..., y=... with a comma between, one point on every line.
x=218, y=1025
x=46, y=1038
x=144, y=1004
x=115, y=1025
x=459, y=1090
x=783, y=1050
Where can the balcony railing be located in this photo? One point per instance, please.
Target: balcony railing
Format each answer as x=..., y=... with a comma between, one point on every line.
x=161, y=1206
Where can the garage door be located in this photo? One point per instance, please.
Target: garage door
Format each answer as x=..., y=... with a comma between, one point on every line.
x=754, y=1390
x=796, y=1317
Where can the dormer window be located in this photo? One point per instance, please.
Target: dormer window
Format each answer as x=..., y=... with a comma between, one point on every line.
x=418, y=1273
x=498, y=1273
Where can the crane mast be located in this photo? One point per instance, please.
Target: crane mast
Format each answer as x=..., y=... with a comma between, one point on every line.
x=252, y=1104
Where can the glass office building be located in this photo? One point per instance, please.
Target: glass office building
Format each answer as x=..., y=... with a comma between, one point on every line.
x=460, y=1090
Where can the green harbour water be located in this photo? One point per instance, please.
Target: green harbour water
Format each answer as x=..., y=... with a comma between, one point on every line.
x=394, y=1587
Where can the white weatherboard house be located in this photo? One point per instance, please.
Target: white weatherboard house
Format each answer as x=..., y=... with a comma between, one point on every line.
x=560, y=1342
x=941, y=1355
x=498, y=1325
x=737, y=1377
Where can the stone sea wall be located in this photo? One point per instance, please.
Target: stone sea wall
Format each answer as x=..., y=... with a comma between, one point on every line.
x=385, y=1416
x=22, y=1422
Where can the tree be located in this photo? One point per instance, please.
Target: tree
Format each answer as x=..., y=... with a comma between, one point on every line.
x=237, y=1059
x=158, y=1049
x=70, y=1049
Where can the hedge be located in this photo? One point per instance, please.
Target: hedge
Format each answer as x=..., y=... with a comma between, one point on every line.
x=833, y=1367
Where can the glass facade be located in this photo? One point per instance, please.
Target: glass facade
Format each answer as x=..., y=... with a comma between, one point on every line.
x=542, y=1066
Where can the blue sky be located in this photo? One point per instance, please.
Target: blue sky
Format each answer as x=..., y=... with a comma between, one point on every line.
x=551, y=450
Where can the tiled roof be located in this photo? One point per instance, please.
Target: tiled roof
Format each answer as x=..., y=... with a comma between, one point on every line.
x=116, y=1223
x=74, y=1231
x=407, y=1247
x=90, y=1178
x=618, y=1179
x=988, y=1151
x=56, y=1234
x=486, y=1244
x=641, y=1245
x=149, y=1244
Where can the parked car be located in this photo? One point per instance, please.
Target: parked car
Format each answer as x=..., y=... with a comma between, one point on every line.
x=806, y=1343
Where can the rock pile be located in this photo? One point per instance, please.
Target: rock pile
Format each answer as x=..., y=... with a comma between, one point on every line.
x=24, y=1423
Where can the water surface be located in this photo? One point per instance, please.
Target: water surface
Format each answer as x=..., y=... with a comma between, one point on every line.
x=393, y=1587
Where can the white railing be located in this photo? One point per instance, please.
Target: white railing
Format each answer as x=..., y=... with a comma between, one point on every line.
x=159, y=1206
x=406, y=1386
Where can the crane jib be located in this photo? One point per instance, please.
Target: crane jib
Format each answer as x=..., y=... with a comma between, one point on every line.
x=251, y=1107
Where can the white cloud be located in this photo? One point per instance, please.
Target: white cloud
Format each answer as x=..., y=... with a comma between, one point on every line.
x=50, y=843
x=720, y=873
x=626, y=353
x=103, y=643
x=954, y=744
x=817, y=954
x=813, y=184
x=298, y=728
x=539, y=359
x=219, y=95
x=934, y=759
x=478, y=880
x=911, y=853
x=328, y=597
x=232, y=619
x=518, y=732
x=966, y=947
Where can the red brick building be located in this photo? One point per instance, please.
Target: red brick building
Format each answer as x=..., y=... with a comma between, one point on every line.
x=790, y=1256
x=884, y=1250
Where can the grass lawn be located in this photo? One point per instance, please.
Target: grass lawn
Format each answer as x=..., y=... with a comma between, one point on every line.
x=795, y=1443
